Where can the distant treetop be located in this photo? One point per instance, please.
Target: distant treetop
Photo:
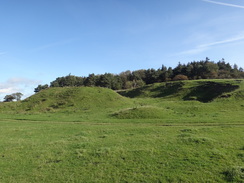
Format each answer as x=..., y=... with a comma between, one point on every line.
x=204, y=69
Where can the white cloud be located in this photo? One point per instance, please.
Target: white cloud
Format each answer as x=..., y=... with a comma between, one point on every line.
x=7, y=90
x=22, y=81
x=18, y=84
x=230, y=40
x=204, y=47
x=224, y=4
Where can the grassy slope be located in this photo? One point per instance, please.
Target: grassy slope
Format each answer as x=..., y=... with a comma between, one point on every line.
x=188, y=101
x=69, y=103
x=103, y=137
x=199, y=90
x=173, y=102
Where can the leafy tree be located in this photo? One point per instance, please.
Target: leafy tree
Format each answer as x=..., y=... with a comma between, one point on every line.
x=117, y=83
x=125, y=77
x=128, y=85
x=178, y=69
x=138, y=83
x=105, y=80
x=91, y=80
x=170, y=73
x=40, y=87
x=152, y=76
x=210, y=70
x=68, y=80
x=138, y=75
x=9, y=98
x=17, y=96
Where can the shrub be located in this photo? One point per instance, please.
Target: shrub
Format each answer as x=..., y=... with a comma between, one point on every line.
x=180, y=77
x=234, y=174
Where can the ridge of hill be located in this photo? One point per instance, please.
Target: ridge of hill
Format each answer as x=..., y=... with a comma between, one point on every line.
x=72, y=98
x=199, y=90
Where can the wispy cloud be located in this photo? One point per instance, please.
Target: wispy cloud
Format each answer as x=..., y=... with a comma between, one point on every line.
x=224, y=4
x=23, y=85
x=55, y=44
x=22, y=81
x=2, y=53
x=204, y=47
x=230, y=40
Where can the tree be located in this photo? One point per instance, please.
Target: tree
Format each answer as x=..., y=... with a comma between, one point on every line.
x=170, y=73
x=91, y=80
x=68, y=80
x=125, y=77
x=138, y=75
x=17, y=96
x=40, y=87
x=106, y=80
x=9, y=98
x=152, y=76
x=178, y=69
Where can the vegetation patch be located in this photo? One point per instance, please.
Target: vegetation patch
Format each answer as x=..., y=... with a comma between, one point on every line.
x=141, y=113
x=208, y=91
x=234, y=174
x=198, y=90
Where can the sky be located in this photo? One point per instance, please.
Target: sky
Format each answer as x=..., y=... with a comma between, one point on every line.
x=44, y=39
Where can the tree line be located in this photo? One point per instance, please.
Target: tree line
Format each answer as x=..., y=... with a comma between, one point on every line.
x=204, y=69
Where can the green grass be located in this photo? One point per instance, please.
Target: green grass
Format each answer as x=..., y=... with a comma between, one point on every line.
x=161, y=134
x=199, y=90
x=119, y=152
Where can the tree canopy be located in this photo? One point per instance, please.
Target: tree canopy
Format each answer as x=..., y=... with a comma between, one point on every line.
x=204, y=69
x=14, y=96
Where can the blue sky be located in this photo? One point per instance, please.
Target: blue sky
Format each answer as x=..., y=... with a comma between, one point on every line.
x=44, y=39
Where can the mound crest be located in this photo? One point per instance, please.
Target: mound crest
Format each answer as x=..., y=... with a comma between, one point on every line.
x=79, y=98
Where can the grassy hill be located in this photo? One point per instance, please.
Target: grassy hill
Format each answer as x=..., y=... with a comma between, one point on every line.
x=165, y=132
x=71, y=99
x=199, y=90
x=74, y=98
x=66, y=104
x=200, y=100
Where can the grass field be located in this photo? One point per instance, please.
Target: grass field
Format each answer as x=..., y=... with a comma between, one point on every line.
x=156, y=135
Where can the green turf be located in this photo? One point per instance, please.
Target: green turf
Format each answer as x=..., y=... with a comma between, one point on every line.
x=120, y=152
x=160, y=134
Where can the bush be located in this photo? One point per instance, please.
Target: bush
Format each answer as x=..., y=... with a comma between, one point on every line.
x=180, y=77
x=234, y=174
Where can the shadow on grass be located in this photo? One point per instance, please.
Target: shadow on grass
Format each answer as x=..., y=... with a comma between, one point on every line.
x=168, y=89
x=157, y=92
x=208, y=91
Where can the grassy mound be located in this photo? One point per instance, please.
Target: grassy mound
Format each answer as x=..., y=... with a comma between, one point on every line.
x=146, y=112
x=75, y=98
x=184, y=101
x=200, y=90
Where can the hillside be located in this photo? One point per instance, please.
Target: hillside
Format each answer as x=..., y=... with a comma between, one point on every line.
x=199, y=90
x=73, y=99
x=187, y=101
x=189, y=131
x=179, y=101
